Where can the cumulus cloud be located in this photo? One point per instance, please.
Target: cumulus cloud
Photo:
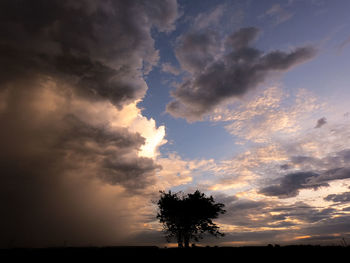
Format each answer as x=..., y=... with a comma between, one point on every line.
x=224, y=69
x=77, y=156
x=99, y=47
x=63, y=179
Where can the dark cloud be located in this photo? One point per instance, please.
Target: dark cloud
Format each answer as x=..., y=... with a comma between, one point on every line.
x=321, y=122
x=339, y=198
x=111, y=152
x=334, y=166
x=197, y=50
x=331, y=161
x=242, y=38
x=100, y=46
x=246, y=213
x=225, y=199
x=302, y=212
x=257, y=237
x=264, y=221
x=217, y=76
x=55, y=172
x=290, y=185
x=329, y=230
x=307, y=163
x=64, y=176
x=332, y=174
x=344, y=155
x=301, y=159
x=284, y=166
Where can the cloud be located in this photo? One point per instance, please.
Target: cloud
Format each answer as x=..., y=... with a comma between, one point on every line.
x=78, y=158
x=177, y=171
x=204, y=20
x=195, y=50
x=333, y=164
x=327, y=229
x=290, y=185
x=338, y=173
x=98, y=47
x=321, y=122
x=309, y=164
x=261, y=222
x=242, y=38
x=266, y=221
x=268, y=115
x=217, y=76
x=169, y=68
x=344, y=44
x=339, y=198
x=266, y=215
x=285, y=167
x=318, y=169
x=243, y=170
x=63, y=178
x=278, y=14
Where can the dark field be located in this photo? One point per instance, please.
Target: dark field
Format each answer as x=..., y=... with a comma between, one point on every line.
x=283, y=253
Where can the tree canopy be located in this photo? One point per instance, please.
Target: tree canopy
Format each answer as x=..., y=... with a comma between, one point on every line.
x=187, y=217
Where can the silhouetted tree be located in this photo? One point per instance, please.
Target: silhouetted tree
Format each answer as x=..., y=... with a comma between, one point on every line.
x=187, y=217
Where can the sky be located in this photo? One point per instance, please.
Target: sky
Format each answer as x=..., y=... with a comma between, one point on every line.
x=105, y=103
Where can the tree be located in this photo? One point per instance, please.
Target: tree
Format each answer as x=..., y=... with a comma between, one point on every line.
x=187, y=217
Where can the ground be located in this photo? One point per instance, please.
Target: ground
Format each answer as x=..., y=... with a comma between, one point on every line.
x=270, y=252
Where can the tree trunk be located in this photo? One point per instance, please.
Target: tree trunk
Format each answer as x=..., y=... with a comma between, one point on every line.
x=187, y=240
x=179, y=240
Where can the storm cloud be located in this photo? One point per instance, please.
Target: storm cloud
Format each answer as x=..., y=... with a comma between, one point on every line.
x=69, y=162
x=216, y=76
x=99, y=46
